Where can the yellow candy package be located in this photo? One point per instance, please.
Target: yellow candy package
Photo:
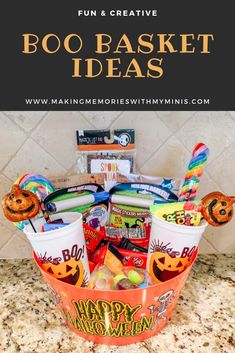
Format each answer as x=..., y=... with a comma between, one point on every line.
x=184, y=213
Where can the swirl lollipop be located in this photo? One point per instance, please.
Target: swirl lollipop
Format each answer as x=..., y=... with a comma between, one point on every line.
x=38, y=185
x=194, y=173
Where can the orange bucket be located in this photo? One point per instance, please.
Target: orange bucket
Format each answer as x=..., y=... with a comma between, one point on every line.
x=115, y=317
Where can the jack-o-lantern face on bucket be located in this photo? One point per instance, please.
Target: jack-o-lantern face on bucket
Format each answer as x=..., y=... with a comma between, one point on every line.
x=19, y=205
x=71, y=272
x=163, y=267
x=217, y=208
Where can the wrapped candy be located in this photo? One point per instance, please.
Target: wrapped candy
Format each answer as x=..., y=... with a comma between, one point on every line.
x=103, y=278
x=131, y=278
x=184, y=213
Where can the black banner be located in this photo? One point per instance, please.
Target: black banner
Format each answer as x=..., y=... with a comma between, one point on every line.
x=89, y=55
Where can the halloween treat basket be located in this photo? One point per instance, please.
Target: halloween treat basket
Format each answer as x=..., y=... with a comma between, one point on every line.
x=115, y=317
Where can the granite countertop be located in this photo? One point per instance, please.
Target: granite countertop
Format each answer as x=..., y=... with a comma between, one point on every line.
x=203, y=320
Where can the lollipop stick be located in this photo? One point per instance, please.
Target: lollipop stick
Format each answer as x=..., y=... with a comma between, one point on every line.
x=232, y=198
x=31, y=223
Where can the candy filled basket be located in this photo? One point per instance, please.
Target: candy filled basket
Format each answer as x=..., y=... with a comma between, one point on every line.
x=115, y=255
x=115, y=317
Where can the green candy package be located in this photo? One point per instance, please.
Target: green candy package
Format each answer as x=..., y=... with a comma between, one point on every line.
x=130, y=205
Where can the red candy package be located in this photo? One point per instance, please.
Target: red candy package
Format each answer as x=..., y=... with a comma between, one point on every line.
x=91, y=266
x=127, y=257
x=131, y=245
x=93, y=237
x=138, y=236
x=99, y=254
x=133, y=258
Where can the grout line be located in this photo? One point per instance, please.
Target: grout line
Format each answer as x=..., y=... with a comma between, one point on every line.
x=87, y=120
x=39, y=123
x=109, y=126
x=117, y=117
x=72, y=169
x=16, y=123
x=231, y=116
x=163, y=142
x=209, y=242
x=207, y=173
x=195, y=113
x=27, y=136
x=168, y=138
x=5, y=243
x=222, y=152
x=5, y=176
x=47, y=152
x=10, y=160
x=162, y=119
x=8, y=241
x=161, y=146
x=208, y=162
x=214, y=181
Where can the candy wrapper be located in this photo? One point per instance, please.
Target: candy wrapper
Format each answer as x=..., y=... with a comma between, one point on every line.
x=129, y=218
x=130, y=245
x=187, y=213
x=93, y=237
x=99, y=254
x=120, y=256
x=139, y=236
x=113, y=259
x=133, y=258
x=103, y=278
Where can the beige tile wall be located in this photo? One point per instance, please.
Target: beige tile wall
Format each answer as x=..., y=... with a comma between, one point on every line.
x=44, y=142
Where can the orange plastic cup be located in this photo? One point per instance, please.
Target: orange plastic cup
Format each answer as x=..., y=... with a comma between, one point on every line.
x=115, y=317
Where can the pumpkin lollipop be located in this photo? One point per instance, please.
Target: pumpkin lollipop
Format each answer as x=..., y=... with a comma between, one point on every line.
x=217, y=208
x=40, y=186
x=19, y=205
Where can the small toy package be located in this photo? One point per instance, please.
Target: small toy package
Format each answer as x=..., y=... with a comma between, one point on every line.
x=172, y=184
x=88, y=199
x=98, y=151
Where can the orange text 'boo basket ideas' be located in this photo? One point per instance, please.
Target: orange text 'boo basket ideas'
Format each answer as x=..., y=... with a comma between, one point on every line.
x=117, y=317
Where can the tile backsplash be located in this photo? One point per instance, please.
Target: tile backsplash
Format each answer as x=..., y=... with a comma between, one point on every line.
x=45, y=143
